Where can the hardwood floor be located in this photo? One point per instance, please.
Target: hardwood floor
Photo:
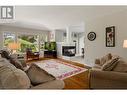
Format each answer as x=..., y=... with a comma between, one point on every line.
x=79, y=81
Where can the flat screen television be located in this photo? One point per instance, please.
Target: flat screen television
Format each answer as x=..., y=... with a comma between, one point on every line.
x=50, y=45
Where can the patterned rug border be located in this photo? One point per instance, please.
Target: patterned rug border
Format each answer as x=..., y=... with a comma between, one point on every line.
x=69, y=74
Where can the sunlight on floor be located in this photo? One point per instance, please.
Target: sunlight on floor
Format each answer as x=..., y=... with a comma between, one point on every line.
x=78, y=59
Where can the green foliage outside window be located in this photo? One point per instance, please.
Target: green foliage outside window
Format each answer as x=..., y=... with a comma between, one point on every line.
x=28, y=41
x=8, y=38
x=50, y=45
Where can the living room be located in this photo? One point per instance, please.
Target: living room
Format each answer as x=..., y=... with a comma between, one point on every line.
x=65, y=42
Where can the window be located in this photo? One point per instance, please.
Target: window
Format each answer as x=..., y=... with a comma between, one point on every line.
x=28, y=41
x=43, y=39
x=8, y=38
x=35, y=42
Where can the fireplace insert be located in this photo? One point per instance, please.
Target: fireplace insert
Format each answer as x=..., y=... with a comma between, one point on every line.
x=68, y=51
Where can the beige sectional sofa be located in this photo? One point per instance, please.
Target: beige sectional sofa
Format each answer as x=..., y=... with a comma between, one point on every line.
x=14, y=78
x=109, y=72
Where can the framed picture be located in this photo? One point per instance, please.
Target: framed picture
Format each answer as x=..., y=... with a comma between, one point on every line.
x=110, y=36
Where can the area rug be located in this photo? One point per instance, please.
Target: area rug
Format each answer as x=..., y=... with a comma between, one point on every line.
x=61, y=70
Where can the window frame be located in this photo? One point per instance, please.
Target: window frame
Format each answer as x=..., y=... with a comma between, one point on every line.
x=4, y=38
x=17, y=34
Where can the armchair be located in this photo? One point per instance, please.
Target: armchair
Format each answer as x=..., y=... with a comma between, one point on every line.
x=31, y=55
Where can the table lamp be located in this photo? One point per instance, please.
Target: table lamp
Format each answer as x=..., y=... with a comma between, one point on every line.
x=125, y=44
x=14, y=46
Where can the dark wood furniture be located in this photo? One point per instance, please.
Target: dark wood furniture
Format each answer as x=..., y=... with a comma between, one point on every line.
x=50, y=54
x=31, y=55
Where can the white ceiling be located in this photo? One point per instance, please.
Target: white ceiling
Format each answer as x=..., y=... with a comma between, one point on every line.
x=57, y=17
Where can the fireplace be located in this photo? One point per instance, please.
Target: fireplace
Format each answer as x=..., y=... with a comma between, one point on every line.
x=68, y=51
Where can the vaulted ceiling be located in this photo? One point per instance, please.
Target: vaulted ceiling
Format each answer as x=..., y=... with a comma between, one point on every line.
x=57, y=17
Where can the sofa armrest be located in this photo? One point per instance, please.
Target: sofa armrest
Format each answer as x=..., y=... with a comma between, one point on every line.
x=108, y=75
x=107, y=80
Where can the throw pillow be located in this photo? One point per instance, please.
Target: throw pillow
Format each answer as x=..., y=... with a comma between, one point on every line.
x=121, y=66
x=16, y=63
x=105, y=58
x=109, y=65
x=38, y=75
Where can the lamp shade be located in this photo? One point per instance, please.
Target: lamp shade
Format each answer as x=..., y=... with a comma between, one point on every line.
x=125, y=44
x=14, y=46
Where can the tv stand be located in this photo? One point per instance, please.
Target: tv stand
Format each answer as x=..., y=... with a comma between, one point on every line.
x=50, y=54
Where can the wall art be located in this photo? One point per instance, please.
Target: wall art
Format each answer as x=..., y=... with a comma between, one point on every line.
x=110, y=36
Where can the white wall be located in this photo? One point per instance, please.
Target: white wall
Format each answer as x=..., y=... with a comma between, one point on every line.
x=59, y=37
x=1, y=40
x=18, y=30
x=81, y=42
x=97, y=48
x=77, y=42
x=52, y=36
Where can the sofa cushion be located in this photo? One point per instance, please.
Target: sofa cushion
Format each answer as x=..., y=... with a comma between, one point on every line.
x=105, y=58
x=121, y=66
x=2, y=59
x=38, y=75
x=5, y=62
x=55, y=84
x=13, y=78
x=109, y=65
x=5, y=54
x=16, y=63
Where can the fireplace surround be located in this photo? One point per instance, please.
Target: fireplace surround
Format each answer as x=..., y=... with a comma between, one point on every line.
x=68, y=51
